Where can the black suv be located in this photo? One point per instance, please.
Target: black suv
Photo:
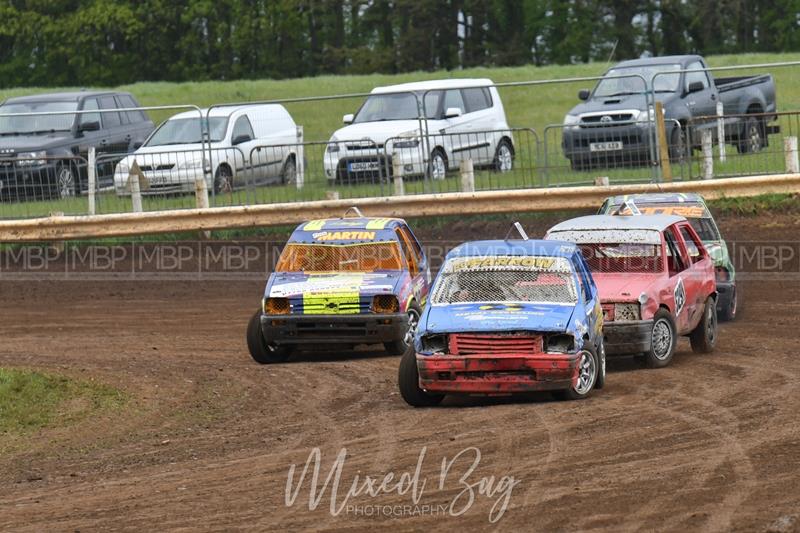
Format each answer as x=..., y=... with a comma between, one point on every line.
x=45, y=156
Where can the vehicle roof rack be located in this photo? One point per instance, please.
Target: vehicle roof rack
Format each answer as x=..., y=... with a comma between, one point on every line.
x=630, y=205
x=355, y=210
x=517, y=226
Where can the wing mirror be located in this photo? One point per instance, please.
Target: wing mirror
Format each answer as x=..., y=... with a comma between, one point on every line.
x=695, y=86
x=348, y=118
x=241, y=139
x=89, y=126
x=584, y=94
x=452, y=112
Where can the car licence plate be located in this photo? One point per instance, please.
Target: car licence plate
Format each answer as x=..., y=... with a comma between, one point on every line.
x=605, y=147
x=363, y=166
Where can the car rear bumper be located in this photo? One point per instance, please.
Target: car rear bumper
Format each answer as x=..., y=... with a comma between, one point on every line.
x=335, y=329
x=497, y=374
x=627, y=337
x=725, y=290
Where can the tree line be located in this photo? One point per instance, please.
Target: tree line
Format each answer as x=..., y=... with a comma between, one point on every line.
x=112, y=42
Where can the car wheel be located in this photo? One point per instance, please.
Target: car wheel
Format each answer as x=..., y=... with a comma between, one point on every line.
x=223, y=180
x=438, y=165
x=504, y=157
x=728, y=313
x=261, y=350
x=588, y=372
x=704, y=336
x=408, y=382
x=289, y=172
x=66, y=180
x=399, y=346
x=601, y=376
x=677, y=145
x=663, y=340
x=752, y=139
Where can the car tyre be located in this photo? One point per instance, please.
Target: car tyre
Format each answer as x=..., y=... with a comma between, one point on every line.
x=66, y=182
x=601, y=376
x=503, y=157
x=753, y=137
x=728, y=313
x=398, y=347
x=678, y=151
x=589, y=370
x=261, y=350
x=223, y=180
x=289, y=172
x=408, y=382
x=438, y=166
x=663, y=340
x=704, y=336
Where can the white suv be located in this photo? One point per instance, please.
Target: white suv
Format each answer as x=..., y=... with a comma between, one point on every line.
x=248, y=145
x=464, y=119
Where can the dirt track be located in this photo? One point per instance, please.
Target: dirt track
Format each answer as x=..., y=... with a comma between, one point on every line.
x=711, y=443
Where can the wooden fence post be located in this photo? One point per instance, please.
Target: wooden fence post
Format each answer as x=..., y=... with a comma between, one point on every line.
x=790, y=155
x=707, y=142
x=663, y=147
x=467, y=176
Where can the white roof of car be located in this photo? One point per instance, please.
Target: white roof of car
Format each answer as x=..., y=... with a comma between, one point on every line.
x=618, y=222
x=224, y=111
x=449, y=83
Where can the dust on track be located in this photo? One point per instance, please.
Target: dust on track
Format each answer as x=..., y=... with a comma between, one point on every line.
x=206, y=442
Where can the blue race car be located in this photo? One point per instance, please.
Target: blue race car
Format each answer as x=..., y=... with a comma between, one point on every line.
x=507, y=317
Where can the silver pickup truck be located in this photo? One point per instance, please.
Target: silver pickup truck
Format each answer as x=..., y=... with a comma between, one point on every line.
x=613, y=125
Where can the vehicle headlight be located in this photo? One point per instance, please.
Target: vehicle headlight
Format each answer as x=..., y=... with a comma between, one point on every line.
x=434, y=343
x=410, y=143
x=276, y=306
x=385, y=303
x=29, y=159
x=560, y=343
x=192, y=164
x=627, y=311
x=333, y=146
x=571, y=120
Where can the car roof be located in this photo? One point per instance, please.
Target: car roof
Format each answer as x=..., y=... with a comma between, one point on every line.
x=618, y=222
x=533, y=247
x=351, y=223
x=225, y=111
x=658, y=198
x=661, y=60
x=73, y=96
x=449, y=83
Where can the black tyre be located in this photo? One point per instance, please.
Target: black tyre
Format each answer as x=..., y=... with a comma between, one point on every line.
x=503, y=157
x=260, y=350
x=66, y=181
x=704, y=336
x=678, y=151
x=408, y=382
x=289, y=172
x=601, y=376
x=728, y=313
x=664, y=339
x=223, y=180
x=753, y=136
x=438, y=166
x=589, y=371
x=399, y=346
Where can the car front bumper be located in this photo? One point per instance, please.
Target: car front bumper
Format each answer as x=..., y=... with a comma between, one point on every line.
x=406, y=162
x=334, y=329
x=635, y=138
x=627, y=337
x=497, y=374
x=163, y=182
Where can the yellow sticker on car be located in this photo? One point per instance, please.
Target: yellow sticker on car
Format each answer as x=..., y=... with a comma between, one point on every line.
x=314, y=225
x=378, y=223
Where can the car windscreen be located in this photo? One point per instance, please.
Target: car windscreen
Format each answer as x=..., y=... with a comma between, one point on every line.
x=38, y=123
x=499, y=279
x=399, y=106
x=622, y=257
x=615, y=86
x=362, y=257
x=696, y=213
x=187, y=131
x=705, y=229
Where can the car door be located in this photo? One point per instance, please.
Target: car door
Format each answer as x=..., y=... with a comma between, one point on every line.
x=99, y=140
x=139, y=125
x=679, y=273
x=483, y=138
x=456, y=129
x=116, y=138
x=243, y=141
x=591, y=302
x=698, y=272
x=704, y=102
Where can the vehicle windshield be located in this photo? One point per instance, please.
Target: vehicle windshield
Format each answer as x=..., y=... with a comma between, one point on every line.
x=504, y=279
x=622, y=257
x=697, y=215
x=400, y=106
x=705, y=229
x=38, y=123
x=364, y=257
x=668, y=83
x=187, y=131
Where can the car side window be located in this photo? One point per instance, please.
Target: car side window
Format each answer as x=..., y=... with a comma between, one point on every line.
x=453, y=98
x=242, y=127
x=90, y=104
x=692, y=246
x=692, y=77
x=583, y=277
x=412, y=242
x=126, y=101
x=413, y=266
x=432, y=100
x=476, y=99
x=675, y=258
x=110, y=120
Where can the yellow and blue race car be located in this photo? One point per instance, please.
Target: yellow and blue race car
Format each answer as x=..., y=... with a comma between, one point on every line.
x=342, y=282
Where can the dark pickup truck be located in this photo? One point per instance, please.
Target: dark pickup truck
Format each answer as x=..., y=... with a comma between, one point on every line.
x=45, y=156
x=614, y=125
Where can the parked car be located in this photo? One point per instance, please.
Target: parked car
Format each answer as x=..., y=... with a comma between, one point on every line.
x=613, y=126
x=507, y=317
x=656, y=282
x=463, y=119
x=46, y=155
x=341, y=282
x=693, y=207
x=246, y=145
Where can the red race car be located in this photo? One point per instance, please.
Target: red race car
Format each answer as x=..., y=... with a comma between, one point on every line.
x=655, y=278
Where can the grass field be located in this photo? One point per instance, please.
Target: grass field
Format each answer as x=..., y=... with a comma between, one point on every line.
x=526, y=107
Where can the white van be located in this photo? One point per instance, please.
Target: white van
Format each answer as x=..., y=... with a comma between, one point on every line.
x=464, y=119
x=252, y=144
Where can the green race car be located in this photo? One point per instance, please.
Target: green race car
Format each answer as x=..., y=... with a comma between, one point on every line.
x=693, y=207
